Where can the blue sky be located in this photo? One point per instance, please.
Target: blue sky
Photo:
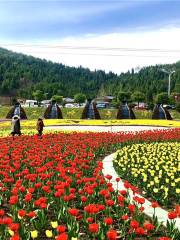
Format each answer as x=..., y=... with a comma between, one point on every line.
x=107, y=23
x=43, y=19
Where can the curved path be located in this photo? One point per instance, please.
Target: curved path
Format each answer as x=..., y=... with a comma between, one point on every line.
x=103, y=128
x=161, y=214
x=108, y=169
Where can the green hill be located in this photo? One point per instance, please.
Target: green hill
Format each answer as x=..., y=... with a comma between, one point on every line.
x=21, y=75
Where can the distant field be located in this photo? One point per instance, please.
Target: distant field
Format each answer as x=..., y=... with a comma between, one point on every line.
x=75, y=113
x=34, y=113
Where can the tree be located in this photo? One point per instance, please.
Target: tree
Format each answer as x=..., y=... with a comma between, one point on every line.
x=38, y=95
x=173, y=98
x=58, y=98
x=162, y=98
x=124, y=96
x=102, y=91
x=178, y=107
x=115, y=103
x=138, y=97
x=21, y=75
x=79, y=98
x=149, y=96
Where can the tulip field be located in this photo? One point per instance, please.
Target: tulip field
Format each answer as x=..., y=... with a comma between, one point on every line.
x=154, y=167
x=53, y=188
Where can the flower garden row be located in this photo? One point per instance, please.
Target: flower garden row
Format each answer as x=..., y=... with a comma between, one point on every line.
x=153, y=167
x=53, y=188
x=28, y=127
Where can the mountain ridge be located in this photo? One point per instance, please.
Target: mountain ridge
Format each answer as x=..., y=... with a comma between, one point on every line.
x=22, y=74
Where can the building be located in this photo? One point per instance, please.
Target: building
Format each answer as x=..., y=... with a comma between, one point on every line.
x=5, y=100
x=68, y=100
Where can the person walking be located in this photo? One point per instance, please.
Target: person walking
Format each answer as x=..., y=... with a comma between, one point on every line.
x=40, y=126
x=15, y=126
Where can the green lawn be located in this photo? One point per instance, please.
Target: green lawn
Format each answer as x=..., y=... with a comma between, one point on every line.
x=34, y=113
x=75, y=113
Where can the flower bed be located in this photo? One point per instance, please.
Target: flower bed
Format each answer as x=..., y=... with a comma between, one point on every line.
x=53, y=188
x=154, y=167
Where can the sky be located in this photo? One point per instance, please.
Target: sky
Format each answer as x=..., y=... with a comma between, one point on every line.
x=111, y=35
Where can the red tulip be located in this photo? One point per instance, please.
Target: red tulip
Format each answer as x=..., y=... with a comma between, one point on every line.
x=14, y=226
x=134, y=224
x=7, y=220
x=90, y=220
x=13, y=200
x=15, y=237
x=111, y=234
x=131, y=208
x=93, y=228
x=2, y=212
x=172, y=215
x=108, y=220
x=118, y=179
x=21, y=213
x=149, y=226
x=61, y=228
x=154, y=205
x=73, y=211
x=83, y=198
x=62, y=236
x=140, y=231
x=31, y=214
x=109, y=202
x=177, y=210
x=164, y=238
x=109, y=177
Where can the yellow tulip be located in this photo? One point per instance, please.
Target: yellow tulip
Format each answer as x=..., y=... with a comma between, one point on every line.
x=157, y=167
x=156, y=190
x=177, y=190
x=156, y=180
x=49, y=233
x=155, y=163
x=34, y=234
x=177, y=180
x=167, y=180
x=151, y=183
x=54, y=224
x=11, y=232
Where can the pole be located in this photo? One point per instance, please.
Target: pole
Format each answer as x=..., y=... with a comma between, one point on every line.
x=169, y=84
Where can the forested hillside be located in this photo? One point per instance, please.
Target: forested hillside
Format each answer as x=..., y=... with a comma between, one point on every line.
x=21, y=75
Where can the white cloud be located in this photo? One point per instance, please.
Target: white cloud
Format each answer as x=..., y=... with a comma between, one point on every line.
x=165, y=39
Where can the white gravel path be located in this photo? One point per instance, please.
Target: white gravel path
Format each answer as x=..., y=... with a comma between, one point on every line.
x=103, y=128
x=162, y=215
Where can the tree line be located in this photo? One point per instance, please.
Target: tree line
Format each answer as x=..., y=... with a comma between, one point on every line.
x=22, y=76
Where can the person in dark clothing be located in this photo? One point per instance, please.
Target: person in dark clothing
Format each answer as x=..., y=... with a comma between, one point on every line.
x=16, y=127
x=40, y=126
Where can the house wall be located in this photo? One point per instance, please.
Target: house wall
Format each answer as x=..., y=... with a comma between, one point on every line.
x=5, y=100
